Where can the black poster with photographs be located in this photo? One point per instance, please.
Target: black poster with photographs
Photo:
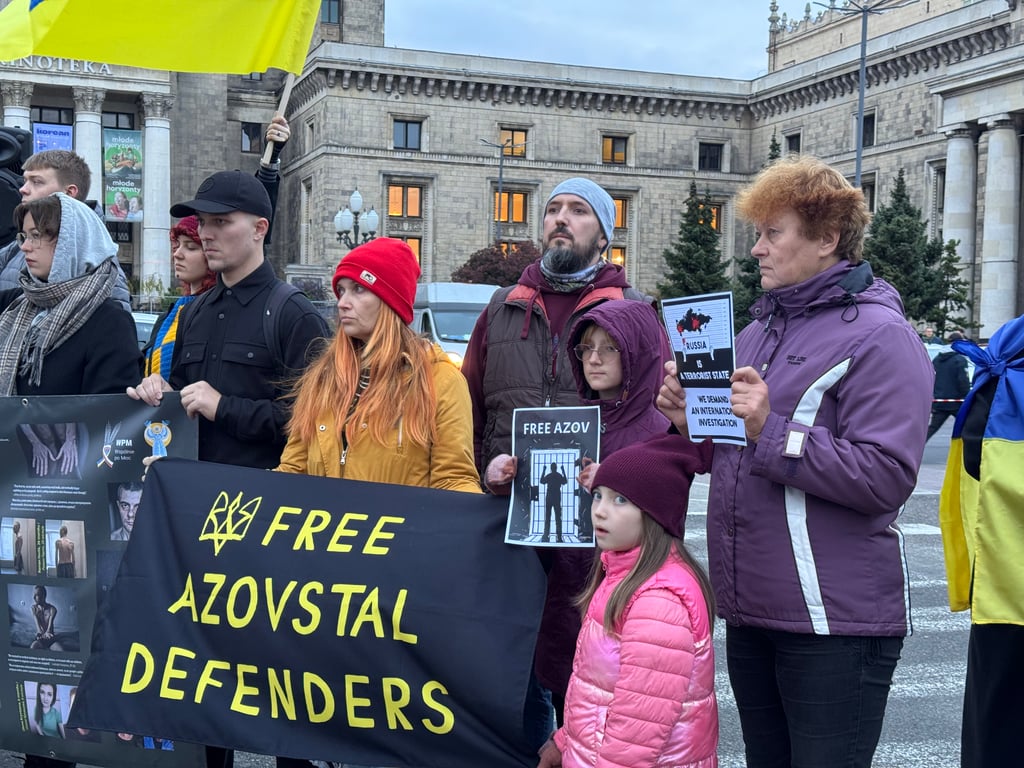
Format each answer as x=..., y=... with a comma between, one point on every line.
x=548, y=508
x=70, y=485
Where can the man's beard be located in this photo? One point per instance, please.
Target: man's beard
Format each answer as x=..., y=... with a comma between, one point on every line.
x=562, y=260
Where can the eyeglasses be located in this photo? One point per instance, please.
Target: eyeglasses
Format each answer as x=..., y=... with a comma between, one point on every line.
x=35, y=239
x=604, y=352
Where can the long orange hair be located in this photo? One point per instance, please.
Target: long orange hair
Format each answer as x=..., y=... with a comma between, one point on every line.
x=401, y=388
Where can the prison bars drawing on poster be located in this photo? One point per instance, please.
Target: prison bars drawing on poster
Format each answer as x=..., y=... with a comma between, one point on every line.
x=548, y=506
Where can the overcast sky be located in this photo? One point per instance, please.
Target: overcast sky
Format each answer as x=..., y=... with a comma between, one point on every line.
x=718, y=38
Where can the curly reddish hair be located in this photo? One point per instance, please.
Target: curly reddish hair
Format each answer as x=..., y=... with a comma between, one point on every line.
x=189, y=227
x=818, y=194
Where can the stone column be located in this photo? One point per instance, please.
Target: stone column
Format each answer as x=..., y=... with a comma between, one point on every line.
x=17, y=103
x=156, y=185
x=961, y=193
x=1000, y=240
x=89, y=134
x=960, y=201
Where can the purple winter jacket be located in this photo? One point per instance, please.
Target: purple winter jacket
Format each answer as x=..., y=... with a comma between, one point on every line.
x=802, y=531
x=644, y=348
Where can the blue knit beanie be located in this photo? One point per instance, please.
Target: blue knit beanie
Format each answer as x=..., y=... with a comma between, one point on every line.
x=599, y=201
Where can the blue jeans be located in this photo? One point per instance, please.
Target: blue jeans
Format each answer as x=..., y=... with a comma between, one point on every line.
x=538, y=716
x=807, y=701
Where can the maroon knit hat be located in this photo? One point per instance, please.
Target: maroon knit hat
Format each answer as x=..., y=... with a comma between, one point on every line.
x=388, y=268
x=655, y=475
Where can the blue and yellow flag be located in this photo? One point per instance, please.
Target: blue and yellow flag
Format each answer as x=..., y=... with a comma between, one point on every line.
x=225, y=36
x=981, y=507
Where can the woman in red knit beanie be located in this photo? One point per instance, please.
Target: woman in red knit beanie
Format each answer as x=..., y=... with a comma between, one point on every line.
x=381, y=403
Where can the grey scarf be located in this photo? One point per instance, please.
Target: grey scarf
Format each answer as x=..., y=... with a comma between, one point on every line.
x=44, y=317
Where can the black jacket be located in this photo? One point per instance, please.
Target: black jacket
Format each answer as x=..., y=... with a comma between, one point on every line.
x=101, y=358
x=951, y=382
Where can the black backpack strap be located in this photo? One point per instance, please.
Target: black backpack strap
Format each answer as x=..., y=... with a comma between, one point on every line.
x=272, y=311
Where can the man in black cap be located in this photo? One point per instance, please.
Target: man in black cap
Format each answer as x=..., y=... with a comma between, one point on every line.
x=229, y=361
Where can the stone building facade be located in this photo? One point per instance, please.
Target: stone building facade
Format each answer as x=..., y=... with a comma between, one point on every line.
x=428, y=138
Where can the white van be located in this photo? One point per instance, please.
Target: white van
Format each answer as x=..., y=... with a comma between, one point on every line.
x=446, y=313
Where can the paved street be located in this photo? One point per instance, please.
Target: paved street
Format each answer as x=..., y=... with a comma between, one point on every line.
x=922, y=724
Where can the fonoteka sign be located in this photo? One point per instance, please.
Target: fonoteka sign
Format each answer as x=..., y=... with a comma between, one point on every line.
x=317, y=618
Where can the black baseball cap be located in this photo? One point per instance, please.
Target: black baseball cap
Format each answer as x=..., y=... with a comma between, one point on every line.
x=227, y=191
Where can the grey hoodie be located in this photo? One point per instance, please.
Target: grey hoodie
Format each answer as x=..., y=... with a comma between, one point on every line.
x=12, y=260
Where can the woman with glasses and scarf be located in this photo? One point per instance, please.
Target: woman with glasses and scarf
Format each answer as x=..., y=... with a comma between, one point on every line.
x=60, y=332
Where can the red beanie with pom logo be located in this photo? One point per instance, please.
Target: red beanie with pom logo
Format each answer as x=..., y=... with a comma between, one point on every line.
x=386, y=267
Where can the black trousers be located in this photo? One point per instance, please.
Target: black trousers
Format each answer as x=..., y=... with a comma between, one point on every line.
x=991, y=735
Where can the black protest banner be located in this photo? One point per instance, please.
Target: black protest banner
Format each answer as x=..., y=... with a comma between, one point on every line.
x=70, y=472
x=320, y=619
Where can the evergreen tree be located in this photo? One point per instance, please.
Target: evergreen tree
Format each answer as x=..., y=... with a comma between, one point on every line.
x=921, y=269
x=694, y=262
x=492, y=265
x=951, y=293
x=774, y=149
x=746, y=289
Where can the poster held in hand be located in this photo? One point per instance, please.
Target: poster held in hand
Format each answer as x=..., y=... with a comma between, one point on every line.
x=548, y=507
x=701, y=333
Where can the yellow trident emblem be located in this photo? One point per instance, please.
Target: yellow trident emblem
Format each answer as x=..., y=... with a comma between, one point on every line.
x=229, y=520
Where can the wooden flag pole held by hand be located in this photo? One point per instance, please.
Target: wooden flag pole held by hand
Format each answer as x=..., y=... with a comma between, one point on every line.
x=286, y=94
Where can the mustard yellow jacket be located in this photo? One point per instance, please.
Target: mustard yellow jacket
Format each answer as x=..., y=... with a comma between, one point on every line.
x=447, y=464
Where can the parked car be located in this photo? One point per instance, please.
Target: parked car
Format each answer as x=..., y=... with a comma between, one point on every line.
x=144, y=322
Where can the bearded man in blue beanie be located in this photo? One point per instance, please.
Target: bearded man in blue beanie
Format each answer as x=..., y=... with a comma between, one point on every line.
x=517, y=358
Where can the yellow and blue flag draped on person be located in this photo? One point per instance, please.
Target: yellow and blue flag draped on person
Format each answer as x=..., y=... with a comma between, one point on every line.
x=981, y=507
x=224, y=36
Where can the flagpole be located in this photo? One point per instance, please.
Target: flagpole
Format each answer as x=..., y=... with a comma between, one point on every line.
x=286, y=94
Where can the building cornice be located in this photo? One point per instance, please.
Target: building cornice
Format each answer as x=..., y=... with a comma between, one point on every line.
x=902, y=65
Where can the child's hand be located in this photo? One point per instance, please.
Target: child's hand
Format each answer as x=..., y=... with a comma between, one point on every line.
x=550, y=757
x=500, y=473
x=588, y=468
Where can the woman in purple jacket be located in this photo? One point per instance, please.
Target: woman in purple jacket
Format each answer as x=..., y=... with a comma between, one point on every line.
x=806, y=557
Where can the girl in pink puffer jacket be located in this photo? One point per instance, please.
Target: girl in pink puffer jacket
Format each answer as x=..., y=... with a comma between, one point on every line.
x=642, y=692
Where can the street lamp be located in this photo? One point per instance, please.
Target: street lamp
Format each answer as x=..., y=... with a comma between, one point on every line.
x=347, y=220
x=506, y=144
x=864, y=9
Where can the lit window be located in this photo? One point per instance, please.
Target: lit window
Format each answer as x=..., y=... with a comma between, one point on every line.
x=405, y=201
x=407, y=134
x=709, y=156
x=613, y=150
x=617, y=255
x=513, y=142
x=621, y=211
x=510, y=206
x=716, y=216
x=414, y=243
x=252, y=138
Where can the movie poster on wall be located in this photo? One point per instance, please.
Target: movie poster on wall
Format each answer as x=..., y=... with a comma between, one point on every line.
x=122, y=175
